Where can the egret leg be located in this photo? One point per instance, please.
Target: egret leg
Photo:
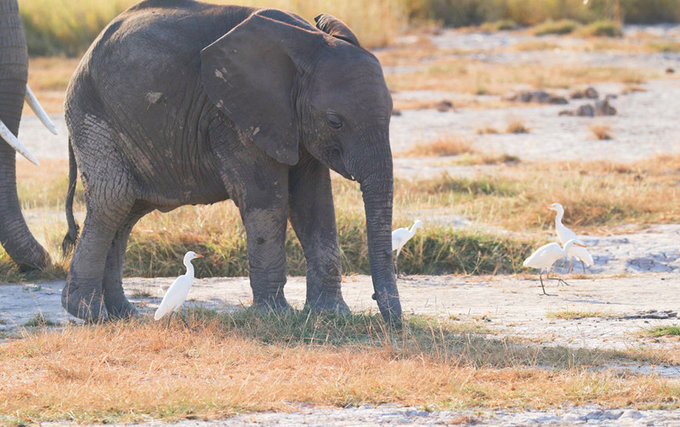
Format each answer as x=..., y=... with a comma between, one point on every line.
x=169, y=317
x=571, y=265
x=181, y=314
x=559, y=280
x=583, y=265
x=542, y=286
x=396, y=263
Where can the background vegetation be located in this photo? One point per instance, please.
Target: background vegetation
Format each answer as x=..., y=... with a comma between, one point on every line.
x=64, y=27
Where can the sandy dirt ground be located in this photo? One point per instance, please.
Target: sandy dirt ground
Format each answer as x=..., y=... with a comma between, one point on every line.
x=635, y=279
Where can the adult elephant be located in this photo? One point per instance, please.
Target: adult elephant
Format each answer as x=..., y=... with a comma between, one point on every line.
x=14, y=234
x=179, y=102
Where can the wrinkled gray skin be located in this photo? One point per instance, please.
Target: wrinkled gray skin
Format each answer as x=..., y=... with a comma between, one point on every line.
x=14, y=234
x=179, y=102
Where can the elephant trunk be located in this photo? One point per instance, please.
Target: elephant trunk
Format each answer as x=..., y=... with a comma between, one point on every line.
x=14, y=234
x=377, y=188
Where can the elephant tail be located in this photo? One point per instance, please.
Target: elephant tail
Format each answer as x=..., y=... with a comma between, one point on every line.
x=69, y=241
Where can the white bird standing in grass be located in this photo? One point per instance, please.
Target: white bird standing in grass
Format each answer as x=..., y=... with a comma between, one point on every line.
x=565, y=234
x=545, y=256
x=399, y=238
x=178, y=291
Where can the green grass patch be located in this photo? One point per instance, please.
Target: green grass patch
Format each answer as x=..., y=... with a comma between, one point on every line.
x=664, y=331
x=40, y=321
x=573, y=315
x=470, y=186
x=500, y=25
x=604, y=28
x=563, y=26
x=664, y=46
x=435, y=250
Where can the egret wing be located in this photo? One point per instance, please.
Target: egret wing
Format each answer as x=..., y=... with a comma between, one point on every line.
x=175, y=297
x=582, y=254
x=544, y=256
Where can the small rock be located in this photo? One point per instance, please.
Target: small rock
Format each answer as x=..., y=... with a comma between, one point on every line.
x=396, y=112
x=595, y=415
x=539, y=97
x=566, y=113
x=586, y=110
x=613, y=415
x=557, y=100
x=670, y=70
x=604, y=108
x=631, y=414
x=577, y=95
x=444, y=106
x=591, y=93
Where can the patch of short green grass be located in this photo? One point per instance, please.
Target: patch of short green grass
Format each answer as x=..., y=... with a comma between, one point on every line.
x=664, y=46
x=500, y=25
x=562, y=26
x=40, y=321
x=573, y=315
x=602, y=28
x=664, y=331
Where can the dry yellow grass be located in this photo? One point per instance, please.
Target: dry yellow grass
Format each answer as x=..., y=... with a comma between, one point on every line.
x=476, y=77
x=48, y=78
x=487, y=130
x=516, y=125
x=126, y=372
x=452, y=145
x=601, y=131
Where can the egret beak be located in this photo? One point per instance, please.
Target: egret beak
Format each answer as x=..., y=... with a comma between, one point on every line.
x=198, y=256
x=580, y=245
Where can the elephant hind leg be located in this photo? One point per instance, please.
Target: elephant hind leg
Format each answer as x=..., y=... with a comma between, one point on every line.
x=108, y=211
x=117, y=305
x=82, y=295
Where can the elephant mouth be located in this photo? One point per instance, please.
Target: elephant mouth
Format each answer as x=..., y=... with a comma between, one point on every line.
x=336, y=162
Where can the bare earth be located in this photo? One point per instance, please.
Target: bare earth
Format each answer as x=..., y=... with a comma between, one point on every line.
x=636, y=273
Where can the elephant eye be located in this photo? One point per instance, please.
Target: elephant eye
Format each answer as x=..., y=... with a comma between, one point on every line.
x=334, y=120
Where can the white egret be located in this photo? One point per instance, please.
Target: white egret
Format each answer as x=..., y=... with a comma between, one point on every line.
x=545, y=256
x=399, y=238
x=564, y=234
x=178, y=291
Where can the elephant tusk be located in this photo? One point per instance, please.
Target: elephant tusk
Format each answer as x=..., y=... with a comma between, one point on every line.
x=38, y=110
x=14, y=142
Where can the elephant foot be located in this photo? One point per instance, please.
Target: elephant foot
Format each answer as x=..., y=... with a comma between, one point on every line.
x=328, y=302
x=83, y=302
x=390, y=307
x=38, y=260
x=275, y=302
x=119, y=307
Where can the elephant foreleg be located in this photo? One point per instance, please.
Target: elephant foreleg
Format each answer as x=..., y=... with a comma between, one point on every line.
x=266, y=234
x=313, y=218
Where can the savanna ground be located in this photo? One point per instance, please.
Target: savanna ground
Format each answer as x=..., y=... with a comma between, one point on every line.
x=478, y=169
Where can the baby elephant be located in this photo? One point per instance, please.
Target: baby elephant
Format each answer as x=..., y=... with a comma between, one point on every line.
x=179, y=102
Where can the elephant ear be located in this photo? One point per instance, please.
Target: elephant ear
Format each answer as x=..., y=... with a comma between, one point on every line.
x=250, y=74
x=331, y=25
